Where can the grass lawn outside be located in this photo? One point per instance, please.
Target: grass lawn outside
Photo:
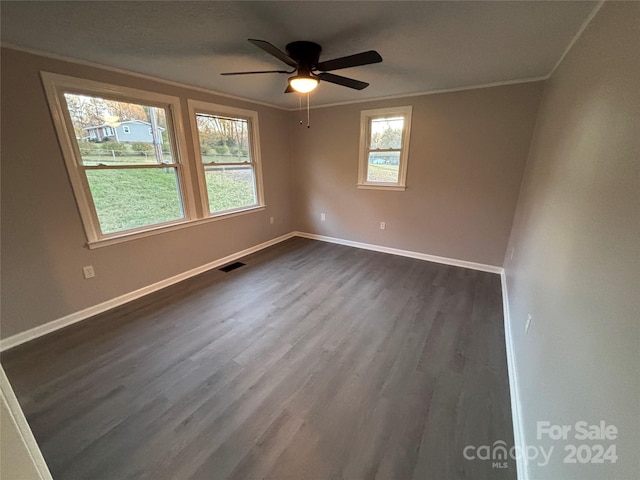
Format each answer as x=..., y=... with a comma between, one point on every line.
x=126, y=199
x=383, y=173
x=230, y=188
x=132, y=198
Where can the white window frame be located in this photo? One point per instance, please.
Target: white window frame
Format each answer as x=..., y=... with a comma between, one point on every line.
x=126, y=129
x=197, y=106
x=55, y=87
x=366, y=116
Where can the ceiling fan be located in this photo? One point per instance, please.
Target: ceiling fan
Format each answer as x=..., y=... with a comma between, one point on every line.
x=304, y=58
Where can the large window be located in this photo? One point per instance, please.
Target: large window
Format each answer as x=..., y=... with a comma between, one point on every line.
x=384, y=145
x=125, y=154
x=226, y=142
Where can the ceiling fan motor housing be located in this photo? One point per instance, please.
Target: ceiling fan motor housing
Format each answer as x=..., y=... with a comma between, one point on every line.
x=307, y=54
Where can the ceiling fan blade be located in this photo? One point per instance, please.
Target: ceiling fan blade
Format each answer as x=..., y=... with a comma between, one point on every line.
x=289, y=89
x=252, y=73
x=275, y=51
x=364, y=58
x=344, y=81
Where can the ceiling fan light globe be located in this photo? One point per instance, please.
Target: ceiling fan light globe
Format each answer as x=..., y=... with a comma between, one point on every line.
x=303, y=84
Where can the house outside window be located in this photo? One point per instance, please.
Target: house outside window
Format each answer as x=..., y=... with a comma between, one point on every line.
x=126, y=129
x=227, y=146
x=384, y=145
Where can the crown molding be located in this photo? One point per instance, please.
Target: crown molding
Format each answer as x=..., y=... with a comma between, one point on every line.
x=144, y=76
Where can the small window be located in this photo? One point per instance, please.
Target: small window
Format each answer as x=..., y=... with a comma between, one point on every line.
x=126, y=129
x=226, y=140
x=384, y=145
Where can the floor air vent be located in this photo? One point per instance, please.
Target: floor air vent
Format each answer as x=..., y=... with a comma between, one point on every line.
x=231, y=266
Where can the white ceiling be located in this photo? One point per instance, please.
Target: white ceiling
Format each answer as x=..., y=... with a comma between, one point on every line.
x=426, y=46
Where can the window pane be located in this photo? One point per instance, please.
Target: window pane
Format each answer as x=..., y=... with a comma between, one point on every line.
x=133, y=198
x=222, y=139
x=230, y=187
x=119, y=133
x=383, y=167
x=386, y=133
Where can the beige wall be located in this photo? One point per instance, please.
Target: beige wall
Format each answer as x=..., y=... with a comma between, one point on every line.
x=15, y=461
x=42, y=236
x=20, y=456
x=466, y=158
x=576, y=239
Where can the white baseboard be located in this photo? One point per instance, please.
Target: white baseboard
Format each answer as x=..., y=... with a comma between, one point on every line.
x=72, y=318
x=518, y=433
x=405, y=253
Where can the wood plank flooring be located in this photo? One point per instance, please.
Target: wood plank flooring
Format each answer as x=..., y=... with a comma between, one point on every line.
x=313, y=361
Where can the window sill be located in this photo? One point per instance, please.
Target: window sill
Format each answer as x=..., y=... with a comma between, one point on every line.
x=125, y=237
x=373, y=186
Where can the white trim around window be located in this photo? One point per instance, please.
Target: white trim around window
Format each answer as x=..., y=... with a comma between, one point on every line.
x=366, y=119
x=189, y=178
x=56, y=86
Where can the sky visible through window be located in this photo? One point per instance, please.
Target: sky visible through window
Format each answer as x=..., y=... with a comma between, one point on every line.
x=386, y=133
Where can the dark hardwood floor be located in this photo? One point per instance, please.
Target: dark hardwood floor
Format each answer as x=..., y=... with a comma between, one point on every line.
x=313, y=361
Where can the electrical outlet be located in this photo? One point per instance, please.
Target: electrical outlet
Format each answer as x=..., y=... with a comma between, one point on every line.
x=88, y=272
x=270, y=219
x=528, y=324
x=323, y=217
x=383, y=225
